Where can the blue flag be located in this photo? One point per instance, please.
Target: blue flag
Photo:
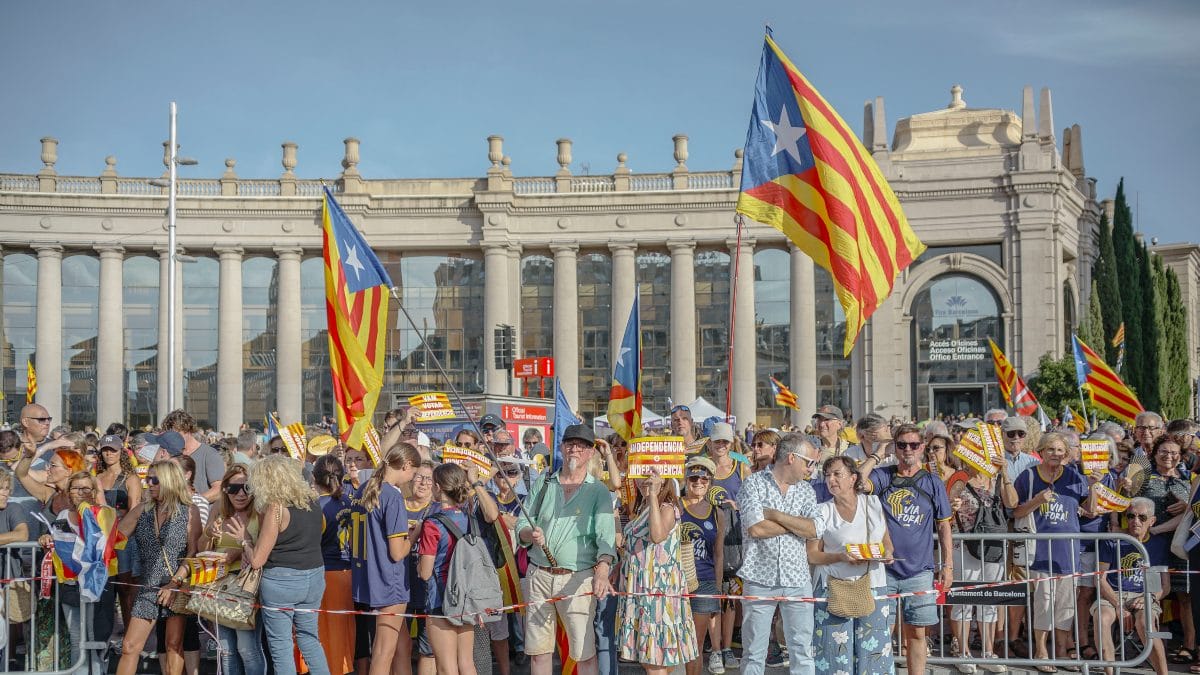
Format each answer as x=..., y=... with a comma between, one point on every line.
x=563, y=418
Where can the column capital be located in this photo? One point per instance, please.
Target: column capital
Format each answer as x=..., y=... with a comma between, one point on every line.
x=562, y=248
x=47, y=250
x=164, y=252
x=681, y=246
x=229, y=252
x=746, y=243
x=515, y=250
x=494, y=247
x=288, y=252
x=110, y=251
x=622, y=247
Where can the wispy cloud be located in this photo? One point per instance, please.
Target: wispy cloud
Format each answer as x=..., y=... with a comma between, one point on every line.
x=1135, y=34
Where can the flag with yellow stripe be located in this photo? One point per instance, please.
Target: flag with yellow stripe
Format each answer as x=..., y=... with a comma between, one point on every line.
x=30, y=383
x=1105, y=387
x=806, y=174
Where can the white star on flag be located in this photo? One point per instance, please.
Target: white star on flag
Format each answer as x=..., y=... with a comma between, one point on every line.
x=621, y=355
x=787, y=137
x=353, y=261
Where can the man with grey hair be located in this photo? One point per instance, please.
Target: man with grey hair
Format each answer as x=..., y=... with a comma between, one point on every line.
x=1112, y=430
x=995, y=416
x=1148, y=426
x=874, y=434
x=247, y=447
x=777, y=506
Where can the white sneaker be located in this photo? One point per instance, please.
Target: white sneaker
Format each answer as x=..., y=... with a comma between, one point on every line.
x=715, y=665
x=966, y=667
x=990, y=663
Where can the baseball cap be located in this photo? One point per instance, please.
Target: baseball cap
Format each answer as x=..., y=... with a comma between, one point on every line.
x=579, y=432
x=490, y=420
x=1013, y=424
x=111, y=441
x=171, y=441
x=829, y=412
x=721, y=431
x=698, y=464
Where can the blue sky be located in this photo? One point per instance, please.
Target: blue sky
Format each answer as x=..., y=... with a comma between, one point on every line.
x=423, y=84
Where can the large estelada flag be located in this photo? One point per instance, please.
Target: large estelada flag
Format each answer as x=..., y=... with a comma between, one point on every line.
x=625, y=397
x=356, y=303
x=1105, y=387
x=1016, y=393
x=87, y=554
x=30, y=383
x=806, y=174
x=783, y=396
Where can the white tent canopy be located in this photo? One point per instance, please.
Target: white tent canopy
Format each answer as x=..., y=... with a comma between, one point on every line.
x=702, y=410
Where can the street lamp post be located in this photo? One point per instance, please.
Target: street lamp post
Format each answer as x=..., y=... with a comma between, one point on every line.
x=172, y=185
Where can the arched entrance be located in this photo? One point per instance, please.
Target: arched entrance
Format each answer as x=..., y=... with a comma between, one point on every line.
x=954, y=315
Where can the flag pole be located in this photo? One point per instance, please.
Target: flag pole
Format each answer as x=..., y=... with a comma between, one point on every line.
x=737, y=259
x=474, y=422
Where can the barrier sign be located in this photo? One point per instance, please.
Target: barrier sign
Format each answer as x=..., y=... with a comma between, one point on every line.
x=1016, y=594
x=664, y=454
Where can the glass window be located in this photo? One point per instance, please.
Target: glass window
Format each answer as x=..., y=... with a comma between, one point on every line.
x=993, y=252
x=712, y=325
x=140, y=278
x=772, y=321
x=654, y=296
x=260, y=312
x=537, y=307
x=833, y=369
x=954, y=315
x=316, y=378
x=595, y=319
x=201, y=286
x=80, y=328
x=18, y=327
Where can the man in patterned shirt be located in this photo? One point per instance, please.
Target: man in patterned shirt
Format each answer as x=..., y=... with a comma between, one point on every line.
x=777, y=506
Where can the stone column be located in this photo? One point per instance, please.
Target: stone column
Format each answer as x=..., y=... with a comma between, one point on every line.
x=229, y=341
x=566, y=320
x=624, y=287
x=683, y=321
x=745, y=366
x=803, y=331
x=289, y=396
x=48, y=360
x=514, y=296
x=495, y=312
x=164, y=259
x=110, y=340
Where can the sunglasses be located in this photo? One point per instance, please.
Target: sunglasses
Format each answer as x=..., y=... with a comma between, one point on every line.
x=512, y=472
x=760, y=444
x=237, y=488
x=466, y=444
x=152, y=480
x=994, y=423
x=1015, y=434
x=679, y=408
x=41, y=420
x=906, y=445
x=698, y=479
x=276, y=449
x=1140, y=516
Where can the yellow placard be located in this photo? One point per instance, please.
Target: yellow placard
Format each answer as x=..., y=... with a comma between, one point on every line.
x=973, y=450
x=465, y=456
x=206, y=568
x=371, y=443
x=294, y=440
x=1094, y=456
x=664, y=455
x=867, y=551
x=432, y=406
x=1109, y=500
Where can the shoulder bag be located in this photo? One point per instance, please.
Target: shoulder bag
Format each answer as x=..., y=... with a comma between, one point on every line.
x=852, y=598
x=1024, y=551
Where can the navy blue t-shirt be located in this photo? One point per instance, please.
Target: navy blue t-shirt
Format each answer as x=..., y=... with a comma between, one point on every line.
x=701, y=530
x=1131, y=579
x=1061, y=515
x=911, y=512
x=335, y=532
x=1097, y=523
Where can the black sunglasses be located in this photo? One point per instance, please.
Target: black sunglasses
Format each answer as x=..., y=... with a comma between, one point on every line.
x=678, y=408
x=152, y=480
x=1016, y=433
x=905, y=445
x=236, y=488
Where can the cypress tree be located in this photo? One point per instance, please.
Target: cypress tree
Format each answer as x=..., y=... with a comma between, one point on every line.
x=1091, y=329
x=1125, y=250
x=1150, y=308
x=1107, y=290
x=1174, y=384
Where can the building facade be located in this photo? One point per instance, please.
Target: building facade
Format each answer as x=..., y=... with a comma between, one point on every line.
x=1010, y=219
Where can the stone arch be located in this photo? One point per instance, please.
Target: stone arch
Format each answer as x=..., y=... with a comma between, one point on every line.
x=963, y=263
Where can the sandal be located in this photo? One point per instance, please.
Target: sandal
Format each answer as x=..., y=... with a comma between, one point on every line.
x=1047, y=669
x=1182, y=655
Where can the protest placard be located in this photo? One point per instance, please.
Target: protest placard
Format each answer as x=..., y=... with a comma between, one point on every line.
x=468, y=456
x=1094, y=456
x=663, y=454
x=432, y=406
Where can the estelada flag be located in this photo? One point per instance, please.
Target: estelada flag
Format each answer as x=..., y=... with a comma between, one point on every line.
x=1107, y=390
x=625, y=397
x=806, y=174
x=783, y=396
x=356, y=304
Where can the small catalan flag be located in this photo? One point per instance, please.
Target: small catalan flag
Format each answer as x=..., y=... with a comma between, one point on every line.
x=783, y=396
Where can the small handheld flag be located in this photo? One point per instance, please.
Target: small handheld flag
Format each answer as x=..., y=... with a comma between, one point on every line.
x=30, y=383
x=783, y=396
x=1104, y=386
x=1118, y=341
x=625, y=397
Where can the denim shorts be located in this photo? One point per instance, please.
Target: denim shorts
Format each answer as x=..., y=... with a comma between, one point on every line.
x=919, y=610
x=706, y=605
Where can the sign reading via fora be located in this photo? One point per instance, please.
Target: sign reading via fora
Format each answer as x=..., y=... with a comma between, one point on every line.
x=662, y=454
x=464, y=457
x=432, y=406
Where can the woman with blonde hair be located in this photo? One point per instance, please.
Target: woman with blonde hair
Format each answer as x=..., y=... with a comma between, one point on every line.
x=288, y=551
x=165, y=524
x=380, y=554
x=235, y=522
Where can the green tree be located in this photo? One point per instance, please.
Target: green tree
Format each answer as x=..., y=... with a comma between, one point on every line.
x=1091, y=329
x=1108, y=290
x=1151, y=344
x=1174, y=384
x=1055, y=384
x=1126, y=250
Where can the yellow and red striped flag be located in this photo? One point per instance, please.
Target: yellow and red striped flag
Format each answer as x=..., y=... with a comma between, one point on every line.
x=806, y=174
x=1105, y=387
x=783, y=396
x=30, y=383
x=1016, y=393
x=356, y=303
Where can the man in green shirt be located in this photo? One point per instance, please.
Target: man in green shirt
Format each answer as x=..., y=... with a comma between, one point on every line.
x=571, y=535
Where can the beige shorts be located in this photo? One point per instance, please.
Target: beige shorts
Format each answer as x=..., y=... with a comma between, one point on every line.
x=576, y=613
x=1155, y=609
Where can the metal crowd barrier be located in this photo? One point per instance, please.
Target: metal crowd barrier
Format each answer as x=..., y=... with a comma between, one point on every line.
x=1009, y=599
x=21, y=648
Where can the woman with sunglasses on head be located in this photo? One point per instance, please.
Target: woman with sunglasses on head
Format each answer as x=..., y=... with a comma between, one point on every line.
x=338, y=600
x=419, y=504
x=232, y=526
x=122, y=488
x=166, y=526
x=702, y=526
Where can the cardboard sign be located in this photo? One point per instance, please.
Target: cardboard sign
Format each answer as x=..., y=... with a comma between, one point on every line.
x=1094, y=457
x=294, y=440
x=371, y=442
x=975, y=449
x=867, y=551
x=206, y=567
x=432, y=406
x=662, y=454
x=1109, y=500
x=453, y=454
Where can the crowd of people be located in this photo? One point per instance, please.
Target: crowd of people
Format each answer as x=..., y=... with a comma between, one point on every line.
x=714, y=570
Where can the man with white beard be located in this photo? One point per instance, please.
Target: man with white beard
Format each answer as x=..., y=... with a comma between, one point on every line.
x=570, y=516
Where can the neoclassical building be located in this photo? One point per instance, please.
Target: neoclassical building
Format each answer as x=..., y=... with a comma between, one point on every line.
x=1008, y=213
